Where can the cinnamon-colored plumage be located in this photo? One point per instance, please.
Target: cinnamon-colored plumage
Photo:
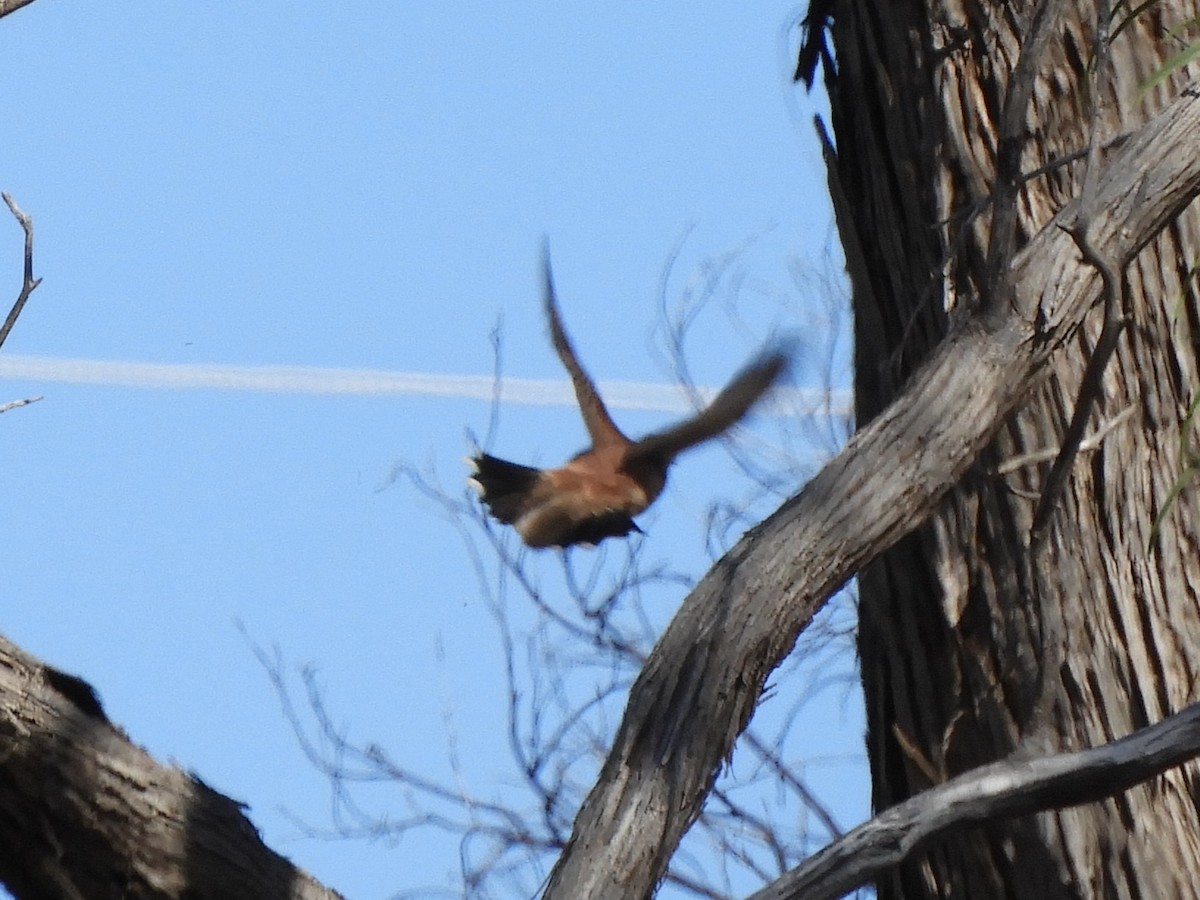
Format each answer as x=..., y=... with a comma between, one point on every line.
x=597, y=493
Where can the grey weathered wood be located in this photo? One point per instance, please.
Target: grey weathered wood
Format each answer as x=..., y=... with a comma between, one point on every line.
x=701, y=682
x=85, y=813
x=1012, y=787
x=11, y=6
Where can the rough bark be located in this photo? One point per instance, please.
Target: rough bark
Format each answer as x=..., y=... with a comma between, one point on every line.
x=705, y=675
x=973, y=644
x=84, y=813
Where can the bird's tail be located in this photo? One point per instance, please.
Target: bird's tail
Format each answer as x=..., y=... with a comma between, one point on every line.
x=504, y=486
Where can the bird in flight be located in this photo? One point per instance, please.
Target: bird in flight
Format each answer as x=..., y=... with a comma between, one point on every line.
x=597, y=493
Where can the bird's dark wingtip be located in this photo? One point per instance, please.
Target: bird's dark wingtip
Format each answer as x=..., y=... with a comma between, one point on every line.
x=776, y=358
x=547, y=272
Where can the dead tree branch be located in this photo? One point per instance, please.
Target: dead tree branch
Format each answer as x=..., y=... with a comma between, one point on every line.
x=1090, y=387
x=29, y=283
x=10, y=6
x=1012, y=787
x=16, y=404
x=1011, y=141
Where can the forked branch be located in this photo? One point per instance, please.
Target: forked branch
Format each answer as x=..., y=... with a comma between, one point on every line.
x=28, y=283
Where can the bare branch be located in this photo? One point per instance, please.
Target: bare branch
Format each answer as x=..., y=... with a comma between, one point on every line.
x=14, y=404
x=10, y=6
x=29, y=283
x=1086, y=444
x=1011, y=787
x=1090, y=386
x=1010, y=144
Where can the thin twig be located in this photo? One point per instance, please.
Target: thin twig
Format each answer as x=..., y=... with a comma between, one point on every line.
x=1011, y=142
x=29, y=283
x=14, y=404
x=1090, y=387
x=1089, y=443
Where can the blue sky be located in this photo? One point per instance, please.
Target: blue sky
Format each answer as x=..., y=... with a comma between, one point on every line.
x=364, y=186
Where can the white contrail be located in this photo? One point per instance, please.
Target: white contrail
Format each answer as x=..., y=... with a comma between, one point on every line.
x=314, y=380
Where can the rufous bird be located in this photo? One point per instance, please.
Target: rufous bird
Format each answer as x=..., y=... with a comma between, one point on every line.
x=599, y=491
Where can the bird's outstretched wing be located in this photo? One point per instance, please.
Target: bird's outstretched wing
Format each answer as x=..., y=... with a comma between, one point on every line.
x=726, y=409
x=600, y=425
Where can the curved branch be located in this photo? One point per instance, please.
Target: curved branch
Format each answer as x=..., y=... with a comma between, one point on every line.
x=1002, y=790
x=28, y=282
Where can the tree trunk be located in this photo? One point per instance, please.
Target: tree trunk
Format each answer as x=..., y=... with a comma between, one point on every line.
x=973, y=644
